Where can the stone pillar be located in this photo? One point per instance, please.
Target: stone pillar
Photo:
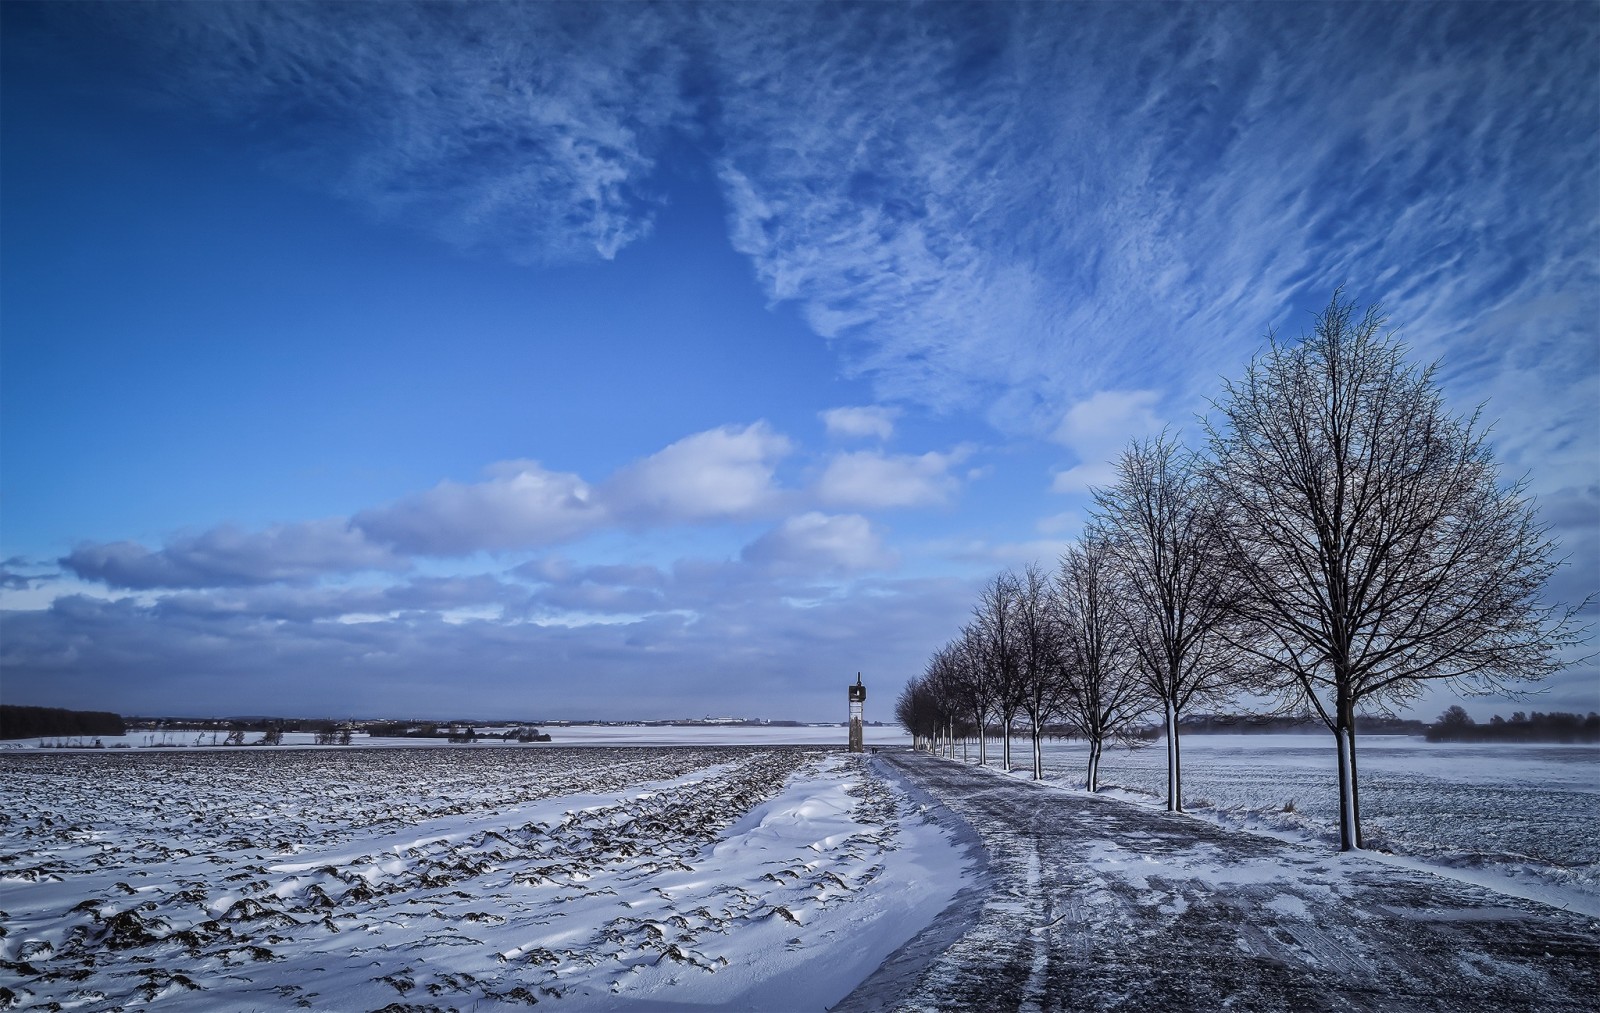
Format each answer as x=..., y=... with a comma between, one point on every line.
x=858, y=698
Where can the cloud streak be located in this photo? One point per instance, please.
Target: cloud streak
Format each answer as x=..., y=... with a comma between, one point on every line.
x=1013, y=222
x=529, y=131
x=1001, y=208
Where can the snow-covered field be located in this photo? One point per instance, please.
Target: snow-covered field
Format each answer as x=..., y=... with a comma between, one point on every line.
x=1518, y=818
x=698, y=872
x=568, y=735
x=706, y=876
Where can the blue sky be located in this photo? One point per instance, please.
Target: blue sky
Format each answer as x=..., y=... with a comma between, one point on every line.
x=651, y=361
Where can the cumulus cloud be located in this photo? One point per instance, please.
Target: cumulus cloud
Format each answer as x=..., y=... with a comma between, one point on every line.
x=873, y=479
x=1097, y=429
x=226, y=556
x=721, y=473
x=874, y=422
x=819, y=543
x=521, y=503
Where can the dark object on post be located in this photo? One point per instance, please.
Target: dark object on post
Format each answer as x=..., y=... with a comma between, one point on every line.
x=858, y=697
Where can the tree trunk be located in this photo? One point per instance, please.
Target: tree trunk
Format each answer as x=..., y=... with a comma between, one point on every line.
x=1093, y=783
x=983, y=744
x=1344, y=735
x=1038, y=753
x=1174, y=775
x=1355, y=785
x=1005, y=747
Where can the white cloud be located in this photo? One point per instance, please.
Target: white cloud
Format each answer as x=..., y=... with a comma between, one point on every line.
x=873, y=479
x=1097, y=429
x=520, y=504
x=720, y=473
x=818, y=543
x=226, y=556
x=856, y=423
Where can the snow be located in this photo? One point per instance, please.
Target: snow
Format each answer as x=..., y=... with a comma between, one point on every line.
x=702, y=874
x=1517, y=819
x=561, y=735
x=1135, y=908
x=707, y=877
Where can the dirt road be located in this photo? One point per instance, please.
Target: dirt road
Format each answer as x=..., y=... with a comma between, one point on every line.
x=1089, y=903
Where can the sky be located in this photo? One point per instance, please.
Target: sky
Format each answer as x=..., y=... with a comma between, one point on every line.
x=645, y=361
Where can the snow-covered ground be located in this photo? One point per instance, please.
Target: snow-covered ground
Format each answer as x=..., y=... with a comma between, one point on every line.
x=1517, y=818
x=702, y=873
x=561, y=735
x=352, y=879
x=1088, y=902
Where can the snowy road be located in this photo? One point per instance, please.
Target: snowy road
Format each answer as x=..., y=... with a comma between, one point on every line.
x=1095, y=904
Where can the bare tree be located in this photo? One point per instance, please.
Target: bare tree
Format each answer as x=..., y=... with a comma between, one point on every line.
x=1166, y=535
x=923, y=708
x=971, y=683
x=1380, y=547
x=950, y=680
x=911, y=709
x=1105, y=692
x=1040, y=673
x=1000, y=652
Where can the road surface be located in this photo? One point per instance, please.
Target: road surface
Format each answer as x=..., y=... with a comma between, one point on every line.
x=1090, y=903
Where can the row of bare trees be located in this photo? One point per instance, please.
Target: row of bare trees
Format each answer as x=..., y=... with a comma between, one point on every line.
x=1343, y=541
x=1133, y=621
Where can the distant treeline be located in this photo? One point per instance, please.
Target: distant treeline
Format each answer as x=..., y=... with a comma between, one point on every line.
x=454, y=733
x=1236, y=724
x=252, y=724
x=1456, y=725
x=32, y=722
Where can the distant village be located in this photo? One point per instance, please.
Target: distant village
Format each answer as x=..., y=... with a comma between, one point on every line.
x=19, y=722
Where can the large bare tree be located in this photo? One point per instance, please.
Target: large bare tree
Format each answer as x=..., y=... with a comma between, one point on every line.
x=1165, y=530
x=1380, y=546
x=1104, y=691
